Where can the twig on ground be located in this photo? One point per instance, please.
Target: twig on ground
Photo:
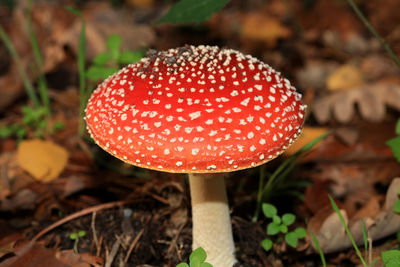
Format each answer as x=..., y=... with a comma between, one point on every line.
x=173, y=243
x=161, y=199
x=98, y=249
x=133, y=245
x=80, y=214
x=113, y=253
x=92, y=225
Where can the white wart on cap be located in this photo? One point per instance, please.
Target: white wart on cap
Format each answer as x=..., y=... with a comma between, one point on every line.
x=195, y=109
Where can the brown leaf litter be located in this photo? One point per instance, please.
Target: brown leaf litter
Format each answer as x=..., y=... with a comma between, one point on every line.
x=332, y=236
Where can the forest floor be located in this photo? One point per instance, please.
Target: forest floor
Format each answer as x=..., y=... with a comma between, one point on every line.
x=121, y=215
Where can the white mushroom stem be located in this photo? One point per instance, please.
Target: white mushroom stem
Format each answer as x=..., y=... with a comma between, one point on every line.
x=212, y=229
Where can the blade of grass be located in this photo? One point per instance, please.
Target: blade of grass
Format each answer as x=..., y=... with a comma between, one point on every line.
x=373, y=31
x=38, y=58
x=274, y=179
x=365, y=239
x=27, y=83
x=284, y=169
x=82, y=76
x=316, y=243
x=260, y=192
x=81, y=70
x=335, y=207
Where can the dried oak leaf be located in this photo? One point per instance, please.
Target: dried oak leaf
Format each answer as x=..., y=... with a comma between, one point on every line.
x=371, y=100
x=332, y=236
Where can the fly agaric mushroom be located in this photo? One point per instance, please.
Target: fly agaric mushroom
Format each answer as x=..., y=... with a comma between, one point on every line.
x=198, y=110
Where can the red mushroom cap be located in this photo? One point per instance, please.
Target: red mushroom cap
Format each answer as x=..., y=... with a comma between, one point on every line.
x=195, y=109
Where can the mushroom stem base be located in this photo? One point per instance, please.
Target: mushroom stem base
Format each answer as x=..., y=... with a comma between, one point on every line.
x=212, y=228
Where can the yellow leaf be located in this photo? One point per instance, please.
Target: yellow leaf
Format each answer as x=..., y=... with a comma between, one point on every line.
x=44, y=160
x=307, y=135
x=345, y=77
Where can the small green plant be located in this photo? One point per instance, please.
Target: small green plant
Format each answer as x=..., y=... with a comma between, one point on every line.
x=33, y=121
x=15, y=130
x=110, y=61
x=280, y=225
x=75, y=236
x=391, y=258
x=394, y=143
x=104, y=64
x=396, y=207
x=196, y=259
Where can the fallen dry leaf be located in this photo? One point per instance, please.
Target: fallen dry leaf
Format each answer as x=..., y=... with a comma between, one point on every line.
x=371, y=100
x=315, y=73
x=347, y=135
x=345, y=77
x=44, y=160
x=376, y=66
x=24, y=199
x=141, y=3
x=74, y=184
x=332, y=237
x=102, y=21
x=327, y=18
x=7, y=249
x=259, y=27
x=10, y=87
x=37, y=255
x=14, y=181
x=307, y=135
x=316, y=196
x=371, y=207
x=348, y=179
